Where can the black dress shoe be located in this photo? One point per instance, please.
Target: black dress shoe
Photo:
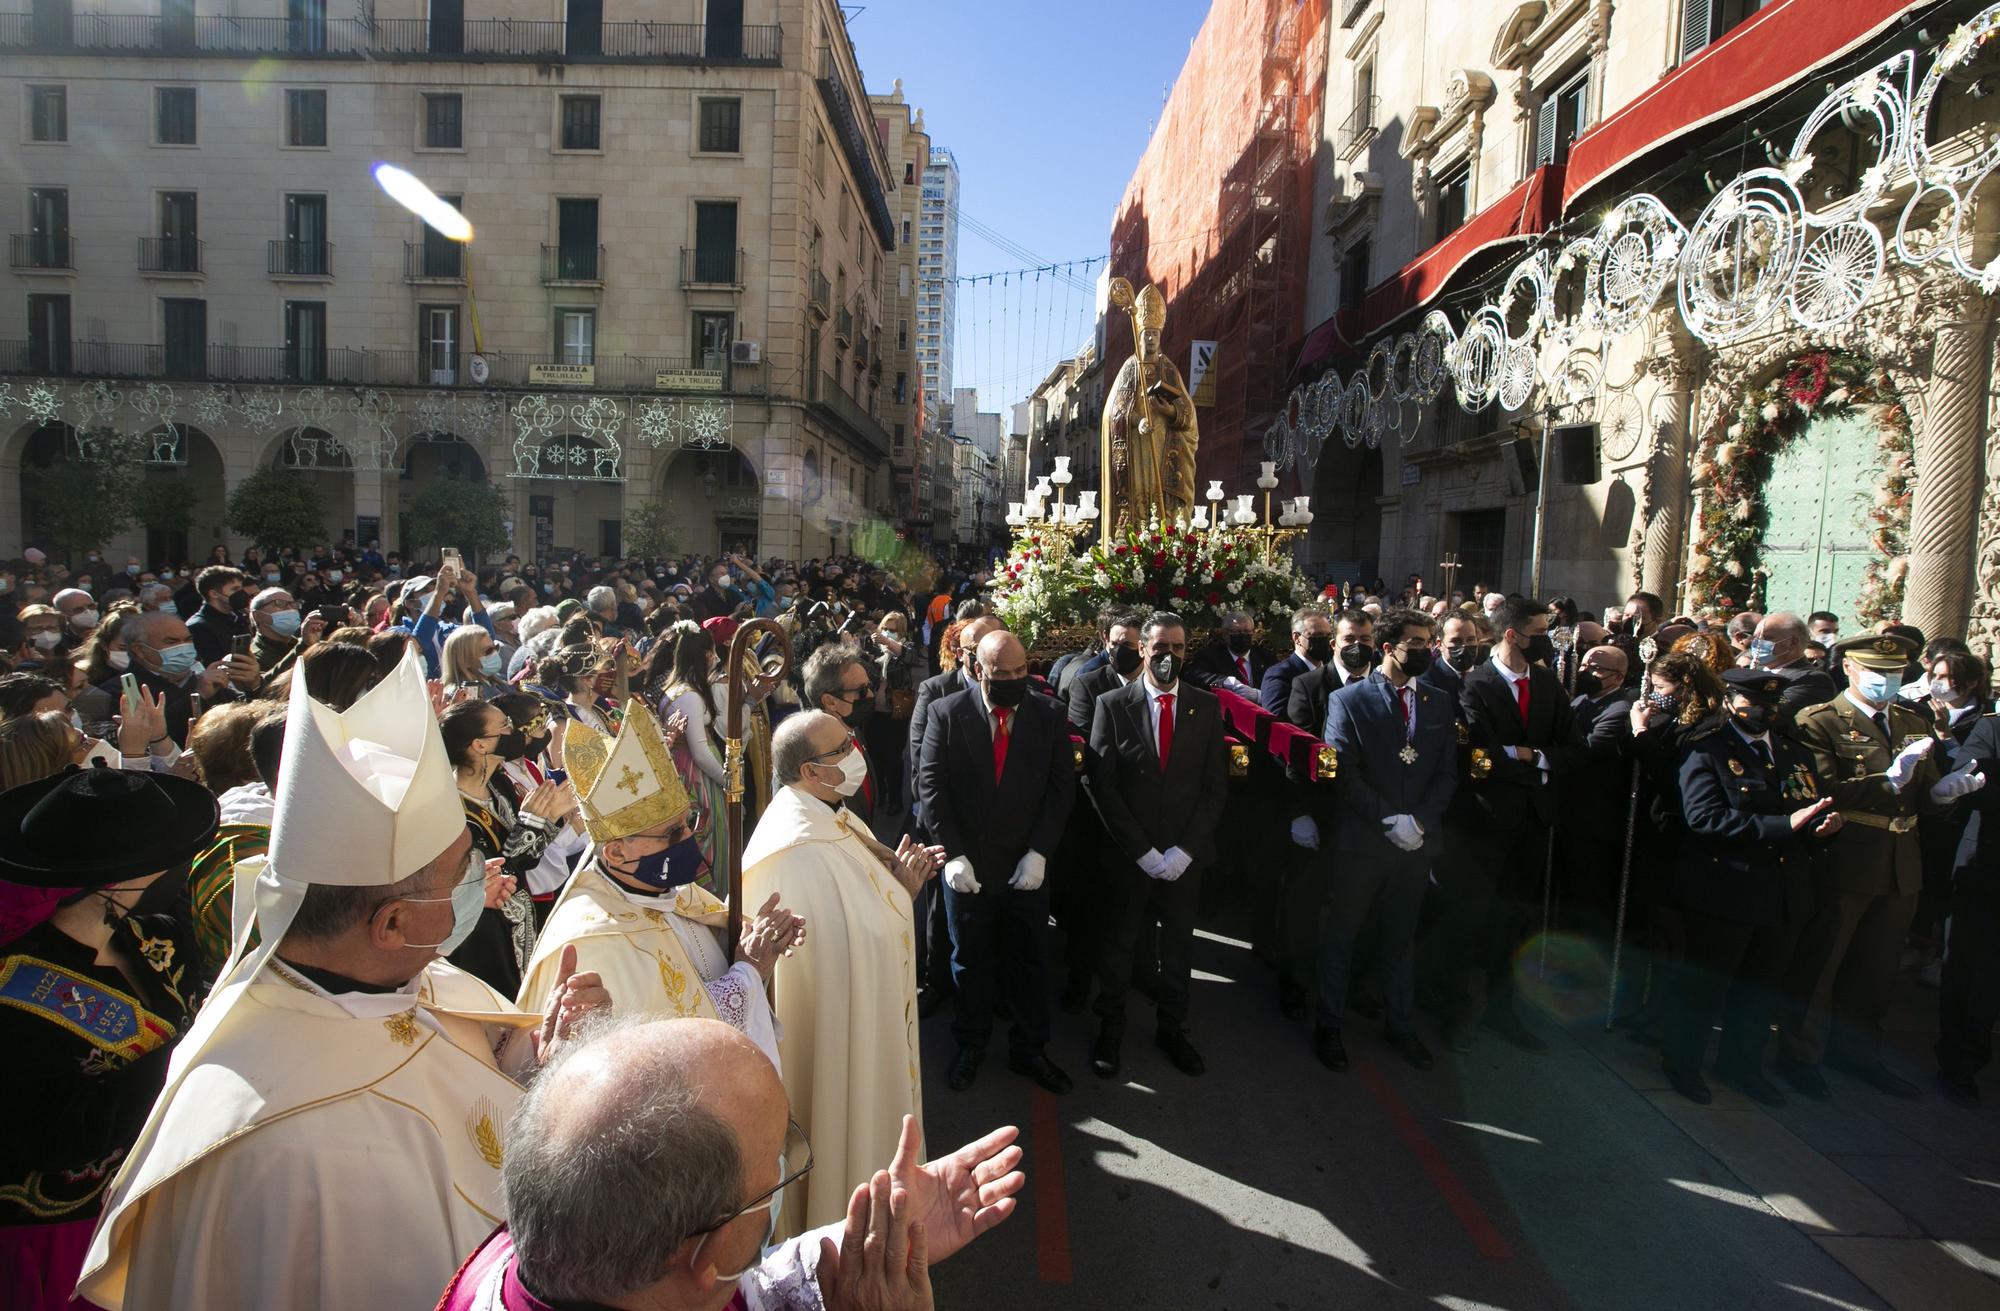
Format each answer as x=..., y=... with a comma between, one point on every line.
x=1075, y=997
x=1754, y=1086
x=1332, y=1052
x=1878, y=1075
x=964, y=1068
x=1412, y=1049
x=1960, y=1088
x=1690, y=1085
x=1807, y=1080
x=1291, y=1000
x=1174, y=1042
x=1503, y=1021
x=929, y=1002
x=1104, y=1053
x=1042, y=1070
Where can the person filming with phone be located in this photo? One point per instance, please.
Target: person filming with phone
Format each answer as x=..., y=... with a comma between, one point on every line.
x=164, y=662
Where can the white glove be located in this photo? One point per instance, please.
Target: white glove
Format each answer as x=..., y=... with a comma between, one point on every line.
x=958, y=876
x=1305, y=832
x=1177, y=863
x=1153, y=863
x=1960, y=782
x=1403, y=831
x=1904, y=767
x=1029, y=872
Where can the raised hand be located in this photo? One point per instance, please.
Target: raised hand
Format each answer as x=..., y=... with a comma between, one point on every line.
x=576, y=998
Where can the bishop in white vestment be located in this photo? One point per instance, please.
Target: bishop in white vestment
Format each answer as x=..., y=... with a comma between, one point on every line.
x=330, y=1135
x=632, y=910
x=846, y=1002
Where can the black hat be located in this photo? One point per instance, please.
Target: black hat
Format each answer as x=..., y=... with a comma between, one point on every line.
x=89, y=828
x=1760, y=685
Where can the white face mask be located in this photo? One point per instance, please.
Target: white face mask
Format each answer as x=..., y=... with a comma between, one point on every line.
x=118, y=660
x=101, y=753
x=47, y=641
x=853, y=772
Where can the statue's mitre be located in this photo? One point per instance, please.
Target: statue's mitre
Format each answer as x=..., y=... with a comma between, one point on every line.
x=627, y=784
x=1152, y=309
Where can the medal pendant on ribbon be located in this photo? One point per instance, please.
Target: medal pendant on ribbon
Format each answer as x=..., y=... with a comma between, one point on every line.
x=1736, y=767
x=1408, y=754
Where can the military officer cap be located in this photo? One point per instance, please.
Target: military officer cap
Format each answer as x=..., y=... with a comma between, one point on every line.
x=1760, y=685
x=1888, y=652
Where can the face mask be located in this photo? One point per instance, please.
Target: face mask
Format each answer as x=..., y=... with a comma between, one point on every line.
x=132, y=570
x=92, y=557
x=239, y=601
x=1755, y=720
x=513, y=745
x=1166, y=667
x=1943, y=691
x=764, y=1248
x=1540, y=649
x=1463, y=658
x=6, y=586
x=285, y=623
x=1006, y=693
x=853, y=772
x=670, y=868
x=101, y=753
x=1588, y=683
x=467, y=899
x=1416, y=662
x=48, y=641
x=119, y=660
x=1240, y=643
x=1356, y=656
x=492, y=665
x=333, y=575
x=272, y=580
x=179, y=661
x=1126, y=660
x=1667, y=703
x=1876, y=686
x=84, y=619
x=859, y=710
x=169, y=608
x=1760, y=652
x=1319, y=649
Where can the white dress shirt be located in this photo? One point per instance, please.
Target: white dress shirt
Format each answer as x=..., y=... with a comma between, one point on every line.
x=1153, y=695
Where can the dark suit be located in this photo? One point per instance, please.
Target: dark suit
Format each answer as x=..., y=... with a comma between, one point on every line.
x=1743, y=885
x=993, y=824
x=1217, y=663
x=1805, y=685
x=1065, y=675
x=1969, y=993
x=929, y=693
x=1596, y=799
x=1365, y=725
x=1085, y=688
x=1080, y=893
x=1275, y=692
x=1305, y=705
x=1292, y=900
x=1443, y=677
x=933, y=929
x=1146, y=807
x=214, y=633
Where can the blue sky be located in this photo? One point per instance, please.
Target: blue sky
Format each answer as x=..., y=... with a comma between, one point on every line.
x=1047, y=105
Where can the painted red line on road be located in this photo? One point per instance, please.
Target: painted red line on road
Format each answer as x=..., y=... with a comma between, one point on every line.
x=1457, y=1198
x=1051, y=1202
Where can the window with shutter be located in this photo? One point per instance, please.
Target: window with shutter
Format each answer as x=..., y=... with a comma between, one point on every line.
x=1695, y=25
x=1545, y=132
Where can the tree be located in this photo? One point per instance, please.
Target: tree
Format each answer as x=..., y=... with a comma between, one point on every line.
x=652, y=531
x=471, y=516
x=164, y=503
x=79, y=504
x=276, y=508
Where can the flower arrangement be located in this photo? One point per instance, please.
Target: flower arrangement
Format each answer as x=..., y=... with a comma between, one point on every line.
x=1045, y=584
x=1733, y=464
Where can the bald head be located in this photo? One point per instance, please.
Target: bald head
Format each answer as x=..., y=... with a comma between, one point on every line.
x=970, y=636
x=1001, y=654
x=1610, y=666
x=602, y=1082
x=801, y=739
x=1787, y=635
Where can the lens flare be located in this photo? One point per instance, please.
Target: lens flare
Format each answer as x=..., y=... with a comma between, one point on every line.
x=405, y=190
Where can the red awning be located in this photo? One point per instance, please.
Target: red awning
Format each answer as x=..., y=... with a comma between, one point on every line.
x=1760, y=56
x=1526, y=210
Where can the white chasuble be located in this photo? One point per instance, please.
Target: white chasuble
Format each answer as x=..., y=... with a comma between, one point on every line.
x=846, y=1000
x=321, y=1151
x=659, y=955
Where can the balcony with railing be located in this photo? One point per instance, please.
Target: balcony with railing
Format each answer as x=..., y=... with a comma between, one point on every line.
x=292, y=258
x=170, y=256
x=843, y=325
x=819, y=295
x=705, y=266
x=432, y=262
x=1359, y=128
x=861, y=426
x=41, y=252
x=848, y=129
x=572, y=266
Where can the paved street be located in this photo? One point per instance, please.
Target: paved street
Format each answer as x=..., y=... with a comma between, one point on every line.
x=1495, y=1180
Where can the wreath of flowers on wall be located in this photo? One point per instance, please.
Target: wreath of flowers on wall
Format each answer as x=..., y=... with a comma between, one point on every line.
x=1732, y=467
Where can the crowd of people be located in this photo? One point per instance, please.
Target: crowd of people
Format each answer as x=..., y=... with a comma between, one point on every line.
x=350, y=903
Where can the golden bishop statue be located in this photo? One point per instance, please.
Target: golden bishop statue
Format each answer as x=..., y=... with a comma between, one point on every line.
x=1149, y=438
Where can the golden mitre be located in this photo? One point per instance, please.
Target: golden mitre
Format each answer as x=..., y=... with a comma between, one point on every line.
x=625, y=785
x=1152, y=310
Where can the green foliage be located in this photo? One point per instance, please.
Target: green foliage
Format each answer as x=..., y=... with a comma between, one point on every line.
x=79, y=504
x=165, y=502
x=652, y=531
x=471, y=516
x=277, y=508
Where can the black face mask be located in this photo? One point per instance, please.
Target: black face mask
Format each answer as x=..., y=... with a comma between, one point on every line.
x=1416, y=662
x=859, y=711
x=1541, y=650
x=1126, y=660
x=1006, y=693
x=1667, y=703
x=1356, y=656
x=513, y=745
x=1319, y=649
x=1166, y=667
x=1755, y=720
x=1465, y=658
x=1240, y=643
x=239, y=601
x=1588, y=683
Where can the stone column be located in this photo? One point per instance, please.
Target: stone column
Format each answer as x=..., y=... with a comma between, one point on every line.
x=1664, y=527
x=1944, y=506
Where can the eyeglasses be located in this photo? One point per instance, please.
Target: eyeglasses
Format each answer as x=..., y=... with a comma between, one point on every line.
x=790, y=1171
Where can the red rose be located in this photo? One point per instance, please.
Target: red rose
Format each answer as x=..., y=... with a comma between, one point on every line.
x=1180, y=593
x=1215, y=598
x=1117, y=587
x=1152, y=589
x=1160, y=560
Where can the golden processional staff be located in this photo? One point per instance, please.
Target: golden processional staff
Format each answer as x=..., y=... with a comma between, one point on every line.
x=773, y=668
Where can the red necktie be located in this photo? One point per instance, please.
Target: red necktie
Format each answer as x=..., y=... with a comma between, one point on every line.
x=1000, y=739
x=1166, y=728
x=1243, y=667
x=1521, y=697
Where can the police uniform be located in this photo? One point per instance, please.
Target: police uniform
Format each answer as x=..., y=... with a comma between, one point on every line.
x=1743, y=885
x=1837, y=987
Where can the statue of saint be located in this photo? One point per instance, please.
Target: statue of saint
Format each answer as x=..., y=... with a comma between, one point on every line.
x=1150, y=437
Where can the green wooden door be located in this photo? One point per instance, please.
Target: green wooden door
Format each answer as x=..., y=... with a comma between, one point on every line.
x=1816, y=545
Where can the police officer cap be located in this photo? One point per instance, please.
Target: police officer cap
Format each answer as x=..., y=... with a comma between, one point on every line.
x=1884, y=651
x=1760, y=685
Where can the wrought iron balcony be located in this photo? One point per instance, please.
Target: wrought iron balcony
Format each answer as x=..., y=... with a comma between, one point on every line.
x=853, y=137
x=425, y=261
x=843, y=325
x=707, y=267
x=1359, y=128
x=819, y=295
x=301, y=259
x=170, y=255
x=573, y=266
x=862, y=427
x=41, y=250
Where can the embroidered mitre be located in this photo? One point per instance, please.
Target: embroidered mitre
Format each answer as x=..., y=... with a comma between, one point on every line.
x=626, y=784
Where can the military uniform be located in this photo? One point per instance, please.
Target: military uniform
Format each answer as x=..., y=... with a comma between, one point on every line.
x=1837, y=986
x=1743, y=884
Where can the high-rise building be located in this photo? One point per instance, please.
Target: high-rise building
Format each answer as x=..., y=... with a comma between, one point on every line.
x=937, y=276
x=908, y=147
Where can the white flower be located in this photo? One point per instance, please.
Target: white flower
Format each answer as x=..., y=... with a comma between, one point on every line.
x=1735, y=568
x=1834, y=397
x=1771, y=411
x=1733, y=431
